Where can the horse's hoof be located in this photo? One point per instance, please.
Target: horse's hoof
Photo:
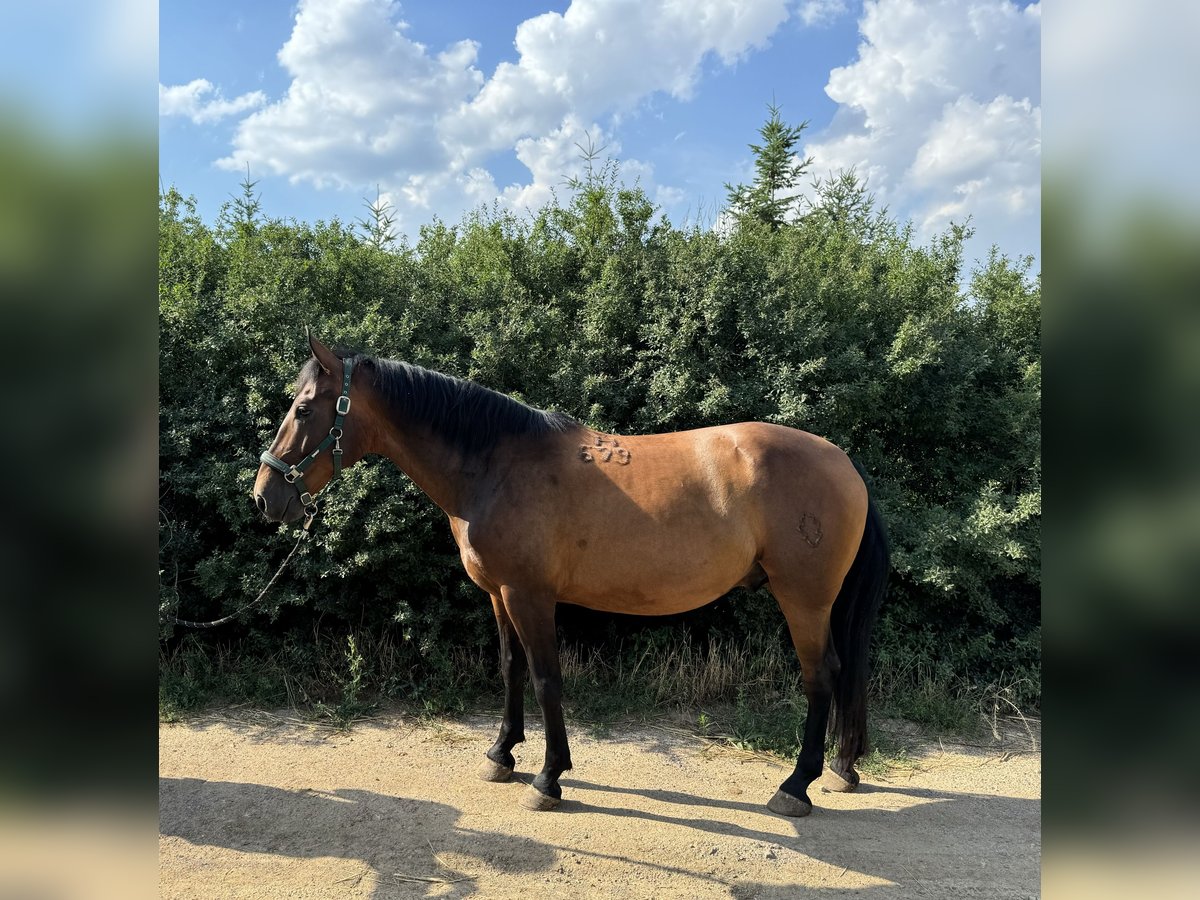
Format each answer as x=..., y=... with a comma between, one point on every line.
x=832, y=781
x=493, y=771
x=787, y=805
x=537, y=801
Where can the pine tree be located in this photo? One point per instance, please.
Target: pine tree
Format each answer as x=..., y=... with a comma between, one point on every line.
x=377, y=228
x=777, y=171
x=242, y=212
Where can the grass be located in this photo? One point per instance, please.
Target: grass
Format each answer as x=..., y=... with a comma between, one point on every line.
x=329, y=677
x=748, y=693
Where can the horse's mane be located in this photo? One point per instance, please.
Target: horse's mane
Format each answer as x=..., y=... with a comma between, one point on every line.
x=467, y=416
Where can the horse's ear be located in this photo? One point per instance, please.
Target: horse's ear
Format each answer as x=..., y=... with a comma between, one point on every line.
x=326, y=357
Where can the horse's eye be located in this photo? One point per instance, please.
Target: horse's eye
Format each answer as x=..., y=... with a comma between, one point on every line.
x=303, y=412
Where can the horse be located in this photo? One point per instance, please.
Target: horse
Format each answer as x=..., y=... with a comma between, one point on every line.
x=546, y=510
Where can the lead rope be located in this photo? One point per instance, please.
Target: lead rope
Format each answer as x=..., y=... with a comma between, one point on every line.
x=175, y=620
x=295, y=475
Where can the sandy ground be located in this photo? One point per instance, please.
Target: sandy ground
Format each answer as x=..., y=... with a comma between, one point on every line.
x=262, y=807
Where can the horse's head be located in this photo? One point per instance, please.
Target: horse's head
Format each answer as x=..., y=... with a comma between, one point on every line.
x=316, y=438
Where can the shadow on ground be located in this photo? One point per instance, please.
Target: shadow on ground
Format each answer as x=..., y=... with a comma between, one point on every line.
x=946, y=843
x=389, y=835
x=911, y=840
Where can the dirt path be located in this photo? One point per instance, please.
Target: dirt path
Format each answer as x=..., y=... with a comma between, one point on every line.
x=393, y=809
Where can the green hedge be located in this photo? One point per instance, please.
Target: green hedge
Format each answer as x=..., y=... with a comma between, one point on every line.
x=838, y=323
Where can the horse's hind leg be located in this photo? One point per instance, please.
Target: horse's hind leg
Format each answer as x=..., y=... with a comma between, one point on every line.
x=500, y=762
x=819, y=665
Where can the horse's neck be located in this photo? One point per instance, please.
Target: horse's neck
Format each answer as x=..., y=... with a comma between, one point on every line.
x=433, y=466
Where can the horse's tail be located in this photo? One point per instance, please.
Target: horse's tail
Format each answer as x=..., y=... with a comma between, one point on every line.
x=854, y=613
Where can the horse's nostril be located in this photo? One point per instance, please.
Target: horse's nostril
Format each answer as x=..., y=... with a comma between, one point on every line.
x=261, y=501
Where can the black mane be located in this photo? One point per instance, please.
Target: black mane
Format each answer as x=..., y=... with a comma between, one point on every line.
x=467, y=416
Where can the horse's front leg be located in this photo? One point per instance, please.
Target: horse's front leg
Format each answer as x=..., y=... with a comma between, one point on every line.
x=533, y=618
x=500, y=762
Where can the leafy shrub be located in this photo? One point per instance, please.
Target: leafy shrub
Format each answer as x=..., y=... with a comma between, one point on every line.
x=837, y=323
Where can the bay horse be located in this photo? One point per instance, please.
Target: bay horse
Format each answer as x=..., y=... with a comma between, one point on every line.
x=546, y=510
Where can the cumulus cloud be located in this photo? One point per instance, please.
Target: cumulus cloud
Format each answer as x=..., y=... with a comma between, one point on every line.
x=367, y=104
x=554, y=158
x=201, y=101
x=606, y=55
x=941, y=113
x=363, y=102
x=820, y=12
x=940, y=110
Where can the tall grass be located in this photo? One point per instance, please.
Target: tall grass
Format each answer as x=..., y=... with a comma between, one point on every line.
x=747, y=691
x=679, y=675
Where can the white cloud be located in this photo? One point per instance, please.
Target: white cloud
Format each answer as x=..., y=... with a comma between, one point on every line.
x=369, y=105
x=815, y=13
x=666, y=195
x=989, y=156
x=604, y=56
x=972, y=140
x=940, y=111
x=201, y=102
x=555, y=158
x=941, y=114
x=363, y=101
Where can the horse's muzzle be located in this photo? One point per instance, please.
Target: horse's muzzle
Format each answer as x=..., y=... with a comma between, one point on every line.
x=276, y=508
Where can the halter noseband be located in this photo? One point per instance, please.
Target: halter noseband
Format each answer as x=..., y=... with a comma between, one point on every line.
x=295, y=474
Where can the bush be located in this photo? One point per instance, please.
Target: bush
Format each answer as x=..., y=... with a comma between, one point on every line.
x=837, y=323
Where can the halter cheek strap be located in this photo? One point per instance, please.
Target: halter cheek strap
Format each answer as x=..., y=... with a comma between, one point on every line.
x=294, y=474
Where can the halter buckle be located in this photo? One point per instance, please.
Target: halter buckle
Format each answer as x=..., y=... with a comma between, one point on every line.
x=343, y=405
x=306, y=500
x=291, y=475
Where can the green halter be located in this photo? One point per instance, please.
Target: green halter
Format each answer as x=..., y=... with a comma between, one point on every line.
x=295, y=474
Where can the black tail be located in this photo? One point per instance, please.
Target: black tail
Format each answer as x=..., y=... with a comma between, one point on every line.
x=853, y=616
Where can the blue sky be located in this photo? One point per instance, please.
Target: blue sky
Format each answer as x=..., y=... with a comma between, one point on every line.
x=448, y=104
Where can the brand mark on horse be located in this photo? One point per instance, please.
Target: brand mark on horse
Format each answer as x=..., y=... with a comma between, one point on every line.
x=810, y=529
x=607, y=449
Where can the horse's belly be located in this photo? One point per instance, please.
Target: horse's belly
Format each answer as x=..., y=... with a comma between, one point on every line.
x=653, y=577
